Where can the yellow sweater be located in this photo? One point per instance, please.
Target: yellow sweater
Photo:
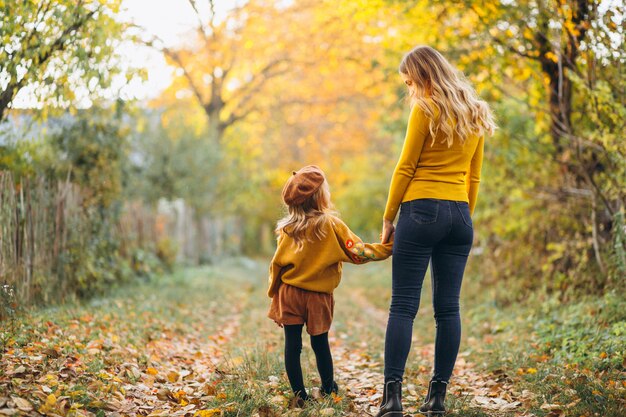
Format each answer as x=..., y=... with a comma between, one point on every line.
x=427, y=170
x=317, y=267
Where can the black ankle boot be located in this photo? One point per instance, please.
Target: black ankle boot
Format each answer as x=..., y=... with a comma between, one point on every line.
x=299, y=400
x=391, y=406
x=434, y=402
x=334, y=389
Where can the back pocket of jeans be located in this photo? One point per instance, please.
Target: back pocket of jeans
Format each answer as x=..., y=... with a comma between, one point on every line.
x=465, y=213
x=424, y=210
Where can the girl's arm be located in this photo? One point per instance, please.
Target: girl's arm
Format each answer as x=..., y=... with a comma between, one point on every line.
x=354, y=250
x=416, y=133
x=274, y=279
x=276, y=270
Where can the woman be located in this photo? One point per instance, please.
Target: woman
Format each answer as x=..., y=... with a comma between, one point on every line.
x=434, y=187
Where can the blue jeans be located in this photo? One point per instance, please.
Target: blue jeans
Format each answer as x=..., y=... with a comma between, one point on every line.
x=439, y=232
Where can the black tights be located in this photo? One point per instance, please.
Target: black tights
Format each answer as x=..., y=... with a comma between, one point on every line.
x=293, y=347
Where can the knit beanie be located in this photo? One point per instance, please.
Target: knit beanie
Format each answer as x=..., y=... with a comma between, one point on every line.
x=302, y=184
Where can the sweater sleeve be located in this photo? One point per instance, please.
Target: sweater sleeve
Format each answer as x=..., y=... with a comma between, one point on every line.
x=276, y=271
x=357, y=252
x=473, y=177
x=416, y=134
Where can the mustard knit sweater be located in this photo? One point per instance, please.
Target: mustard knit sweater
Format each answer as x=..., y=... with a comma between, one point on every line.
x=317, y=267
x=432, y=170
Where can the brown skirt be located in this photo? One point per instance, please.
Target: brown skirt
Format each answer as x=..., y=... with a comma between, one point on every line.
x=292, y=305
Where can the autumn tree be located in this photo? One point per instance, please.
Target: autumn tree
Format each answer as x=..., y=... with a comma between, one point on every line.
x=275, y=96
x=56, y=50
x=553, y=70
x=228, y=61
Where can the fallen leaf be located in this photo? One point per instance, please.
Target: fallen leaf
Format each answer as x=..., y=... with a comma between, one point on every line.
x=279, y=400
x=19, y=370
x=551, y=407
x=208, y=413
x=173, y=376
x=22, y=404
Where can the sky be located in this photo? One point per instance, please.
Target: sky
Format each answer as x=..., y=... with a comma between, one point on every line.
x=170, y=21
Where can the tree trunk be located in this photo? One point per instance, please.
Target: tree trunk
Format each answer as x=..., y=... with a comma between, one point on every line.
x=216, y=128
x=560, y=103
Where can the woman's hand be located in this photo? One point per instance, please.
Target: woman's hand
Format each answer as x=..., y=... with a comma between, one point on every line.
x=388, y=229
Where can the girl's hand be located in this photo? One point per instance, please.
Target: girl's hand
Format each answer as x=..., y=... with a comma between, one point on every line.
x=388, y=230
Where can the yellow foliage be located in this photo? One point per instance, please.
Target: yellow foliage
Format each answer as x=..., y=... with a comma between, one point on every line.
x=551, y=56
x=208, y=413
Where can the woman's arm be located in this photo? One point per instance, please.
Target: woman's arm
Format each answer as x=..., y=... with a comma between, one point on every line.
x=416, y=134
x=474, y=174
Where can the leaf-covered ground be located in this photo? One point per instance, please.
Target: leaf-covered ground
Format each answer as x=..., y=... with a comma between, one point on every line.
x=198, y=343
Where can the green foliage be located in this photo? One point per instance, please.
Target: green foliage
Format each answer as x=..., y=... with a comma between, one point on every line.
x=619, y=251
x=166, y=251
x=91, y=149
x=173, y=162
x=572, y=355
x=8, y=303
x=16, y=155
x=60, y=52
x=69, y=197
x=554, y=176
x=589, y=334
x=361, y=198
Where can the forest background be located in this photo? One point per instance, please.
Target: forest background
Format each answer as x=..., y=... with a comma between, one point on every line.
x=107, y=180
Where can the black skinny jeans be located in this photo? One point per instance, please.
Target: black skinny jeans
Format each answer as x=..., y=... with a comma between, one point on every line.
x=323, y=357
x=439, y=232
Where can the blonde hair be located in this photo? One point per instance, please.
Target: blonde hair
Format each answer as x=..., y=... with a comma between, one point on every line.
x=308, y=220
x=456, y=108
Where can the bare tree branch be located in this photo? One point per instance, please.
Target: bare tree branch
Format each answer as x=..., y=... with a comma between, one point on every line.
x=201, y=26
x=258, y=81
x=194, y=87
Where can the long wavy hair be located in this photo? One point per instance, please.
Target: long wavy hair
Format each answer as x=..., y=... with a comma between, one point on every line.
x=307, y=221
x=455, y=107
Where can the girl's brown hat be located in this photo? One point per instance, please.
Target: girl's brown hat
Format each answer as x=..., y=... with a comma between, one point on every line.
x=302, y=185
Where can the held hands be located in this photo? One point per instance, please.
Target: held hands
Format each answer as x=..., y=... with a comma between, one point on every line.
x=388, y=232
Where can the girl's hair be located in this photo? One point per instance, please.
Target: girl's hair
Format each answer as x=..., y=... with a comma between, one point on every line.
x=460, y=110
x=308, y=220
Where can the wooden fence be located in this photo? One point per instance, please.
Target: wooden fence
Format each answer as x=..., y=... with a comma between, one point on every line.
x=44, y=226
x=38, y=219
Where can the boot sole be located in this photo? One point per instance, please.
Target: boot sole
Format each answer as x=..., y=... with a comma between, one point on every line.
x=432, y=413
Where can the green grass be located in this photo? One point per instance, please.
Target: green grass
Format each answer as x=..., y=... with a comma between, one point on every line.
x=568, y=354
x=572, y=355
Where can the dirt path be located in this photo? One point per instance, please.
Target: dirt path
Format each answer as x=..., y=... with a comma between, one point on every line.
x=493, y=393
x=181, y=373
x=198, y=344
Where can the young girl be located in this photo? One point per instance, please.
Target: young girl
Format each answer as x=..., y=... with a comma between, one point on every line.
x=312, y=244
